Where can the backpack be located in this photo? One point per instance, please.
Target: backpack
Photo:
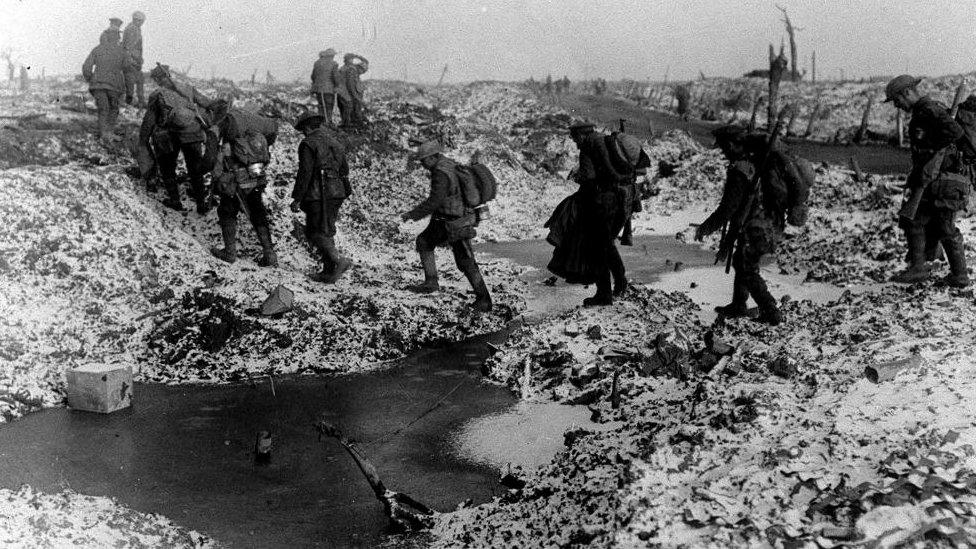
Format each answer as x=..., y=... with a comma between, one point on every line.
x=251, y=148
x=478, y=184
x=966, y=117
x=788, y=192
x=176, y=112
x=625, y=150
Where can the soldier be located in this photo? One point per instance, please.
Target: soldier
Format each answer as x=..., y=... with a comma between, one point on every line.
x=132, y=43
x=239, y=178
x=321, y=186
x=602, y=211
x=114, y=29
x=351, y=89
x=103, y=70
x=451, y=224
x=935, y=159
x=174, y=124
x=325, y=81
x=760, y=229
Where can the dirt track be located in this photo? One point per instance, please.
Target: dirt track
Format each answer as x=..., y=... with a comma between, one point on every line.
x=645, y=123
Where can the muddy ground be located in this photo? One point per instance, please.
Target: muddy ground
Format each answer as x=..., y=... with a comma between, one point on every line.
x=700, y=433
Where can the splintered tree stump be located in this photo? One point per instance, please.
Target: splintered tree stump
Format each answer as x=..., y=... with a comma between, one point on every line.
x=756, y=103
x=863, y=129
x=794, y=113
x=856, y=168
x=813, y=119
x=899, y=128
x=777, y=66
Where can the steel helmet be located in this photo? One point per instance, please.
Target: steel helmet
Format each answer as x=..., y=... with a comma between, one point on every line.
x=899, y=84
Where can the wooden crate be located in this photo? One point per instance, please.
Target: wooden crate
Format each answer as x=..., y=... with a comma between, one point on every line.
x=102, y=388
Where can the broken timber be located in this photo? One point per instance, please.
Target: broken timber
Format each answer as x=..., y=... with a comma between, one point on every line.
x=404, y=512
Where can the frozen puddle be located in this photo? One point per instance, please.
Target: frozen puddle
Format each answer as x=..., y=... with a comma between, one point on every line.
x=186, y=452
x=711, y=286
x=527, y=435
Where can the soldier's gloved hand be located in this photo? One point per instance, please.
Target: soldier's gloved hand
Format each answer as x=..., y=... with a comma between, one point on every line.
x=295, y=206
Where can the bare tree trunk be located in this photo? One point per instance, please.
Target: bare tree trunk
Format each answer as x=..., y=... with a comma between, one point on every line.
x=862, y=131
x=813, y=67
x=791, y=31
x=756, y=102
x=777, y=66
x=856, y=168
x=900, y=128
x=813, y=118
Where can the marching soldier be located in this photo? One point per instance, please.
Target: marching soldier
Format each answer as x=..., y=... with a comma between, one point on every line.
x=240, y=178
x=321, y=186
x=937, y=186
x=758, y=234
x=451, y=224
x=174, y=125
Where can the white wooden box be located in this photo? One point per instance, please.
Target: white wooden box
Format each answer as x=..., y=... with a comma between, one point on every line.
x=102, y=388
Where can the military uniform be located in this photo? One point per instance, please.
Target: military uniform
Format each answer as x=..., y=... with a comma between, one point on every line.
x=325, y=81
x=321, y=186
x=132, y=43
x=240, y=186
x=604, y=209
x=931, y=131
x=761, y=231
x=178, y=130
x=451, y=224
x=350, y=91
x=104, y=71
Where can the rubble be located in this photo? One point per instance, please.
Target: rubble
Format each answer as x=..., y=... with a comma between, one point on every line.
x=96, y=269
x=726, y=435
x=66, y=518
x=743, y=434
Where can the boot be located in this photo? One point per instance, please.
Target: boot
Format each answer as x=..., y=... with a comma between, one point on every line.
x=736, y=309
x=771, y=316
x=173, y=195
x=228, y=231
x=471, y=271
x=333, y=264
x=958, y=273
x=604, y=294
x=627, y=237
x=598, y=300
x=268, y=256
x=620, y=287
x=913, y=273
x=618, y=272
x=917, y=270
x=768, y=311
x=430, y=284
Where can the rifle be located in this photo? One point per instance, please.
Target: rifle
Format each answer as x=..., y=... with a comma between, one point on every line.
x=909, y=207
x=734, y=229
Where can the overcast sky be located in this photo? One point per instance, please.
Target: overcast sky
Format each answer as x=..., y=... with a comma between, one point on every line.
x=505, y=39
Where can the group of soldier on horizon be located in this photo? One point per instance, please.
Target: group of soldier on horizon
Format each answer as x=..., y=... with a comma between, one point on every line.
x=113, y=70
